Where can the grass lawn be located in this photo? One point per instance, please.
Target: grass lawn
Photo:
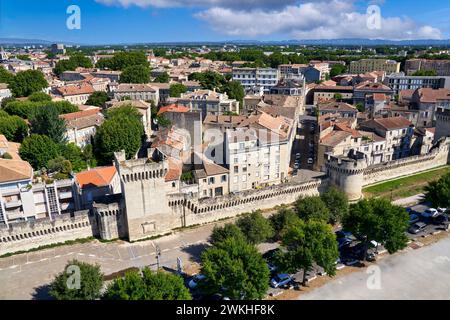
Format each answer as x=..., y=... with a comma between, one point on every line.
x=405, y=187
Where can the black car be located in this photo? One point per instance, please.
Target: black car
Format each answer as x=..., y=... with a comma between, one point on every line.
x=440, y=219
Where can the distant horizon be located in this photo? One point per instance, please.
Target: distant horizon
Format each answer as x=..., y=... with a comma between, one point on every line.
x=341, y=41
x=109, y=22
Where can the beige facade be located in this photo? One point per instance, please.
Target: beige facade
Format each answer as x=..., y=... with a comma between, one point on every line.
x=369, y=65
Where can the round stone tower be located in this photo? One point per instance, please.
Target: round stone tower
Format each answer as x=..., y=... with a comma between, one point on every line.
x=347, y=173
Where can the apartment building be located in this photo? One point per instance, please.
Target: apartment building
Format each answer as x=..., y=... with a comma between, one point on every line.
x=362, y=90
x=131, y=91
x=428, y=102
x=81, y=126
x=76, y=93
x=258, y=152
x=208, y=102
x=322, y=93
x=344, y=110
x=441, y=67
x=266, y=78
x=400, y=81
x=369, y=65
x=398, y=133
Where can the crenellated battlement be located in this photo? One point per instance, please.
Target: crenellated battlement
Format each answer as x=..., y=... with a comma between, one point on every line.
x=139, y=169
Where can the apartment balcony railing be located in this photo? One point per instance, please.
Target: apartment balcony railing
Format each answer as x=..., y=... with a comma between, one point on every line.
x=13, y=204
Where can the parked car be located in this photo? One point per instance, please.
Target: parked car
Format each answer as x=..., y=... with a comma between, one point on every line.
x=430, y=213
x=310, y=161
x=440, y=219
x=295, y=172
x=296, y=165
x=344, y=234
x=344, y=242
x=297, y=156
x=193, y=283
x=417, y=227
x=442, y=210
x=413, y=218
x=280, y=280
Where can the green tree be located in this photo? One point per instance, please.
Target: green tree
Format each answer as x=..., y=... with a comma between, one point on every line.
x=256, y=228
x=425, y=73
x=119, y=133
x=306, y=244
x=150, y=286
x=135, y=74
x=338, y=96
x=208, y=79
x=122, y=60
x=13, y=127
x=45, y=120
x=91, y=282
x=75, y=155
x=5, y=76
x=337, y=69
x=75, y=61
x=438, y=192
x=282, y=220
x=229, y=230
x=98, y=98
x=337, y=204
x=312, y=208
x=177, y=89
x=27, y=82
x=234, y=90
x=61, y=165
x=378, y=220
x=163, y=78
x=39, y=97
x=235, y=268
x=38, y=150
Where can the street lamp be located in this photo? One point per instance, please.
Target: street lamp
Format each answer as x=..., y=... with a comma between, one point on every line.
x=158, y=255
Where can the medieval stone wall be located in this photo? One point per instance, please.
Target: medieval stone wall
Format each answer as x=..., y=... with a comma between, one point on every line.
x=33, y=234
x=408, y=166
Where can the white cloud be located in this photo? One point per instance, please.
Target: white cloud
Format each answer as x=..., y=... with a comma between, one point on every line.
x=201, y=3
x=299, y=19
x=313, y=20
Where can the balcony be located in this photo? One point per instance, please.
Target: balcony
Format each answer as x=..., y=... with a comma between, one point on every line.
x=13, y=204
x=65, y=195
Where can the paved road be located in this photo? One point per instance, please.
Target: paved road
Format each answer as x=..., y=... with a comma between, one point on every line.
x=413, y=274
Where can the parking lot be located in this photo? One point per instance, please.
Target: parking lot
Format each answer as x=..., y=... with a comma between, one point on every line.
x=352, y=257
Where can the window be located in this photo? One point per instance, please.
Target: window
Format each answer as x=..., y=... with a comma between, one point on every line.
x=212, y=180
x=244, y=169
x=235, y=179
x=236, y=169
x=241, y=146
x=224, y=178
x=244, y=178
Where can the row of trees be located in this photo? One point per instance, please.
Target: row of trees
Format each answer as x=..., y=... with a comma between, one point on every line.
x=145, y=285
x=212, y=80
x=75, y=61
x=24, y=83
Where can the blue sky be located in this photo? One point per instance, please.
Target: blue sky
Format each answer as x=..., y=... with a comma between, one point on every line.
x=131, y=21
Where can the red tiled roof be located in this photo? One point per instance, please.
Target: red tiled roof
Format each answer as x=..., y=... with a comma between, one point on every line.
x=98, y=177
x=80, y=114
x=173, y=108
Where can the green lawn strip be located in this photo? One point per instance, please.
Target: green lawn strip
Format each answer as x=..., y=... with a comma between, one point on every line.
x=406, y=186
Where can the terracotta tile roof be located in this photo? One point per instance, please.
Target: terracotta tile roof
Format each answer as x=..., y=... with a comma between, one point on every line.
x=334, y=106
x=392, y=123
x=10, y=147
x=379, y=96
x=372, y=86
x=97, y=177
x=131, y=87
x=428, y=95
x=335, y=138
x=73, y=90
x=343, y=127
x=83, y=119
x=173, y=108
x=14, y=170
x=175, y=170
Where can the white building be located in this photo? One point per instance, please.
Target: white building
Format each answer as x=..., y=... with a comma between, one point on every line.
x=81, y=126
x=256, y=77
